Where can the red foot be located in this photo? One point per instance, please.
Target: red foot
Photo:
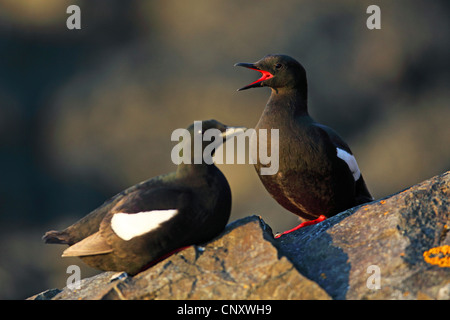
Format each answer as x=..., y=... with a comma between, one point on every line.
x=303, y=224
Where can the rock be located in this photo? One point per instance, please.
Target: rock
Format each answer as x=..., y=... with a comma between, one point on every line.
x=393, y=248
x=388, y=237
x=45, y=295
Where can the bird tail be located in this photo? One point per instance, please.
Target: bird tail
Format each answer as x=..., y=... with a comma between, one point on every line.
x=55, y=237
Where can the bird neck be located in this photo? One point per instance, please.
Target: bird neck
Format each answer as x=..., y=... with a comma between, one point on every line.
x=194, y=170
x=287, y=100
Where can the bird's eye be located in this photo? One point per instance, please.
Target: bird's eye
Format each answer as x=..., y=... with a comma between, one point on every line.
x=278, y=66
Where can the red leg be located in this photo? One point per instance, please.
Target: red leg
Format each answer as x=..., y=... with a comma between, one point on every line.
x=303, y=224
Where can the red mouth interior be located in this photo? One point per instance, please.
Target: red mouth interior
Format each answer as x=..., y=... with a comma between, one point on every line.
x=265, y=76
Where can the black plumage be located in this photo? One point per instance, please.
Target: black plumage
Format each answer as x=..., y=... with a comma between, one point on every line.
x=191, y=205
x=318, y=174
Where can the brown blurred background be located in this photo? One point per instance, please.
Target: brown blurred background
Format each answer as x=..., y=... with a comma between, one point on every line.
x=87, y=113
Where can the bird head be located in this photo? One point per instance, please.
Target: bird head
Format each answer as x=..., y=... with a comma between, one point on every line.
x=278, y=71
x=207, y=136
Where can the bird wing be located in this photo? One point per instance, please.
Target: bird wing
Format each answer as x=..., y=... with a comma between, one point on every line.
x=344, y=153
x=342, y=150
x=132, y=209
x=90, y=223
x=142, y=212
x=128, y=226
x=334, y=137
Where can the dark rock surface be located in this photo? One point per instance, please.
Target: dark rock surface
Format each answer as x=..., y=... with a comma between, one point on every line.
x=393, y=248
x=391, y=234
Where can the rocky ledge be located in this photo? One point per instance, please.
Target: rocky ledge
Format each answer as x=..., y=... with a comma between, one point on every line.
x=393, y=248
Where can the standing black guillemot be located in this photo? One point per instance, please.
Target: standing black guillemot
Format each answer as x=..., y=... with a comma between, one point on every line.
x=318, y=176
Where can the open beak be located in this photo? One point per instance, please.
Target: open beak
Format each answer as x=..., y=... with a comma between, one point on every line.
x=265, y=75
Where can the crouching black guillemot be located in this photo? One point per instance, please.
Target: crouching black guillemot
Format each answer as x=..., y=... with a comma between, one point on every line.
x=154, y=218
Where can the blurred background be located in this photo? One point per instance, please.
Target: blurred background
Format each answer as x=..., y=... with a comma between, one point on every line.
x=86, y=113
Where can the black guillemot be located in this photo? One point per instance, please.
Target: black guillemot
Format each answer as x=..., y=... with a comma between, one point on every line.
x=154, y=218
x=318, y=175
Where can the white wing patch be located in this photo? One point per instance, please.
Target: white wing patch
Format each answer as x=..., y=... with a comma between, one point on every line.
x=351, y=162
x=127, y=226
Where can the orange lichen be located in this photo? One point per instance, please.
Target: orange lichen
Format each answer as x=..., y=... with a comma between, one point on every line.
x=383, y=201
x=439, y=256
